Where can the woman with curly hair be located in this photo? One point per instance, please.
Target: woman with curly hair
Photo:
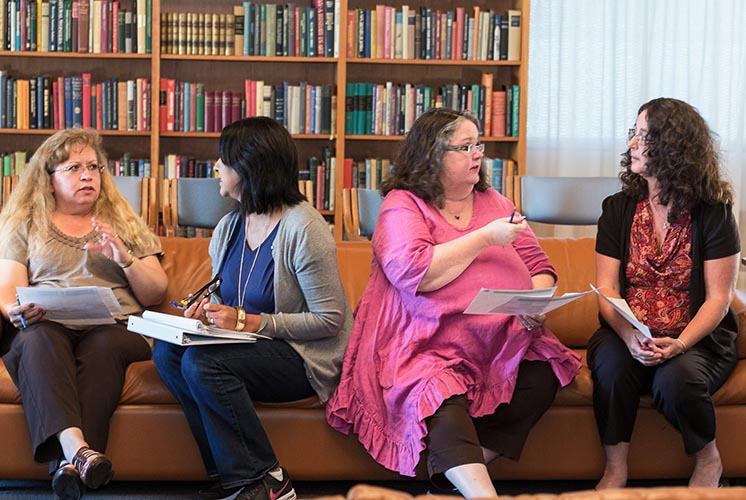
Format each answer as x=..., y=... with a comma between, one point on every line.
x=419, y=373
x=67, y=226
x=668, y=244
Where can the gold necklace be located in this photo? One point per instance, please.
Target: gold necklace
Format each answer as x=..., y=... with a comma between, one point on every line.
x=242, y=297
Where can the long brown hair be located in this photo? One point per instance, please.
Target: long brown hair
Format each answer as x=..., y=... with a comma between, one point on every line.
x=682, y=155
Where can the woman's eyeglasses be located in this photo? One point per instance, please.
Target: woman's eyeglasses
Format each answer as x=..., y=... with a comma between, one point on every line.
x=74, y=168
x=468, y=148
x=641, y=138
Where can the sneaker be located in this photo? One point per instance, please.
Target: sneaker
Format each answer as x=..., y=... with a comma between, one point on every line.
x=217, y=492
x=270, y=488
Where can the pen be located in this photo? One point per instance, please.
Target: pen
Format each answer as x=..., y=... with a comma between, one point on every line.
x=511, y=216
x=23, y=320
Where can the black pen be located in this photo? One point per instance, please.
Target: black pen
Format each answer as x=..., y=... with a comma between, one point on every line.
x=511, y=216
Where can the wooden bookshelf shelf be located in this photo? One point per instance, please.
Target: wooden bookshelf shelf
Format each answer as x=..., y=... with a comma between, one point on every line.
x=228, y=73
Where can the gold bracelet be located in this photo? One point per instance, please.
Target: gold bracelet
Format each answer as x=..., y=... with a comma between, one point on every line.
x=240, y=319
x=683, y=344
x=129, y=262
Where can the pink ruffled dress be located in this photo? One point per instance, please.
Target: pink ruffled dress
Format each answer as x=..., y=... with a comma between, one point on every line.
x=410, y=351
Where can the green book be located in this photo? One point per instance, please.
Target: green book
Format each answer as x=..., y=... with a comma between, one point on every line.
x=514, y=110
x=200, y=107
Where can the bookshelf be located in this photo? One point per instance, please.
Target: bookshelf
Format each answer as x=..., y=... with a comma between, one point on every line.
x=228, y=73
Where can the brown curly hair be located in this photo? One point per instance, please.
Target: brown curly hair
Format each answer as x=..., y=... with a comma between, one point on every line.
x=682, y=155
x=420, y=160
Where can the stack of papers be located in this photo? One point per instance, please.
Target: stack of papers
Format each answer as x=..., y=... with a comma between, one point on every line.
x=185, y=331
x=514, y=302
x=621, y=306
x=74, y=306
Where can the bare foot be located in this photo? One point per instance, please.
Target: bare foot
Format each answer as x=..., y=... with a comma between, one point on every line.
x=612, y=479
x=707, y=470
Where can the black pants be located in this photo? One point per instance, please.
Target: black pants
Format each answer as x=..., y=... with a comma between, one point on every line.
x=681, y=387
x=71, y=378
x=455, y=438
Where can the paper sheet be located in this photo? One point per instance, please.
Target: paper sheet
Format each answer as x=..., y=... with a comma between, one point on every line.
x=621, y=306
x=514, y=302
x=80, y=305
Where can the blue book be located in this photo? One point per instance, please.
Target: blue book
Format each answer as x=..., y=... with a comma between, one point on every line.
x=187, y=107
x=366, y=48
x=77, y=101
x=311, y=32
x=68, y=99
x=247, y=18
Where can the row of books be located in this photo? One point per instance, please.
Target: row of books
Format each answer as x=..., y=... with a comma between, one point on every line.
x=85, y=26
x=254, y=29
x=301, y=108
x=409, y=33
x=128, y=166
x=316, y=181
x=367, y=173
x=391, y=109
x=44, y=102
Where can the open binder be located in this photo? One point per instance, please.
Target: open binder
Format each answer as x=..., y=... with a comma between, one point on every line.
x=185, y=331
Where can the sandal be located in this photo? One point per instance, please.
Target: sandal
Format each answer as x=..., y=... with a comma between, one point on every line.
x=94, y=468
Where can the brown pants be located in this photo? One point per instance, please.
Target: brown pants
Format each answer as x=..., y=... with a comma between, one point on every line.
x=455, y=438
x=71, y=378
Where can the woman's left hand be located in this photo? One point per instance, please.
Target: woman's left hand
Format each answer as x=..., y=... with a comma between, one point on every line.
x=531, y=321
x=109, y=244
x=667, y=347
x=220, y=315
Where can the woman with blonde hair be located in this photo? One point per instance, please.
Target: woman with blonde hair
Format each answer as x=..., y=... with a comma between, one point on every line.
x=67, y=226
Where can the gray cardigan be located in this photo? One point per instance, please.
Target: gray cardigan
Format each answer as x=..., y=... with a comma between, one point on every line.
x=312, y=313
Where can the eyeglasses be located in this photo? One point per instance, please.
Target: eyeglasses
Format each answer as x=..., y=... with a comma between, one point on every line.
x=641, y=139
x=75, y=168
x=468, y=148
x=207, y=289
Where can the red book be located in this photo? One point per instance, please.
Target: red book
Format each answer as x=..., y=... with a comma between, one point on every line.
x=115, y=27
x=458, y=38
x=99, y=107
x=498, y=113
x=297, y=31
x=162, y=105
x=347, y=173
x=83, y=24
x=170, y=104
x=225, y=109
x=321, y=169
x=55, y=106
x=104, y=26
x=86, y=77
x=75, y=25
x=235, y=107
x=351, y=34
x=209, y=111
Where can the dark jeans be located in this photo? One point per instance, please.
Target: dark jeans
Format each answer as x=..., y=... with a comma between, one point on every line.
x=681, y=387
x=455, y=438
x=71, y=378
x=216, y=385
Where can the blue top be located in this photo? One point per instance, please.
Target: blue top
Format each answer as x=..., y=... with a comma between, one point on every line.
x=257, y=283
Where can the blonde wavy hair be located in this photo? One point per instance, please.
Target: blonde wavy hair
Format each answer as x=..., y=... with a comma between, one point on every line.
x=32, y=202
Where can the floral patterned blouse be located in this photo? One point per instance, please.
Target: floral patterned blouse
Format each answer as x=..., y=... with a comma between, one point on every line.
x=658, y=275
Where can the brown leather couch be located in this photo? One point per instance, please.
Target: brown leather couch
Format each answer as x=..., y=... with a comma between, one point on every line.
x=150, y=439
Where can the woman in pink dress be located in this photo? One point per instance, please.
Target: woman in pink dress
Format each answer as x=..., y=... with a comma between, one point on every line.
x=419, y=373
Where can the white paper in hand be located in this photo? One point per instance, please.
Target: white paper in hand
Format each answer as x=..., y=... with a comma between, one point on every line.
x=621, y=306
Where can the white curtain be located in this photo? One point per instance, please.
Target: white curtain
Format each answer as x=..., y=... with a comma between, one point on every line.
x=592, y=63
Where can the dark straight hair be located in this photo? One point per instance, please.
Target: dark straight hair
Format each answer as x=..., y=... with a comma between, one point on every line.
x=263, y=154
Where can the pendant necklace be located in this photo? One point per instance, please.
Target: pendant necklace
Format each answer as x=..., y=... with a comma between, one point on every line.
x=242, y=296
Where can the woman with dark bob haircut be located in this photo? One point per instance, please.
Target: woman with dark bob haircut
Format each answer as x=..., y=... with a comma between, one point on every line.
x=277, y=260
x=668, y=244
x=420, y=374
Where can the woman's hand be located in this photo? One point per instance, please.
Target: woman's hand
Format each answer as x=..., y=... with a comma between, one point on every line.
x=503, y=232
x=197, y=309
x=31, y=313
x=642, y=348
x=109, y=244
x=668, y=347
x=531, y=321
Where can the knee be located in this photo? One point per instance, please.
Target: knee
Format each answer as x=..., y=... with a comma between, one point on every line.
x=197, y=366
x=165, y=358
x=673, y=388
